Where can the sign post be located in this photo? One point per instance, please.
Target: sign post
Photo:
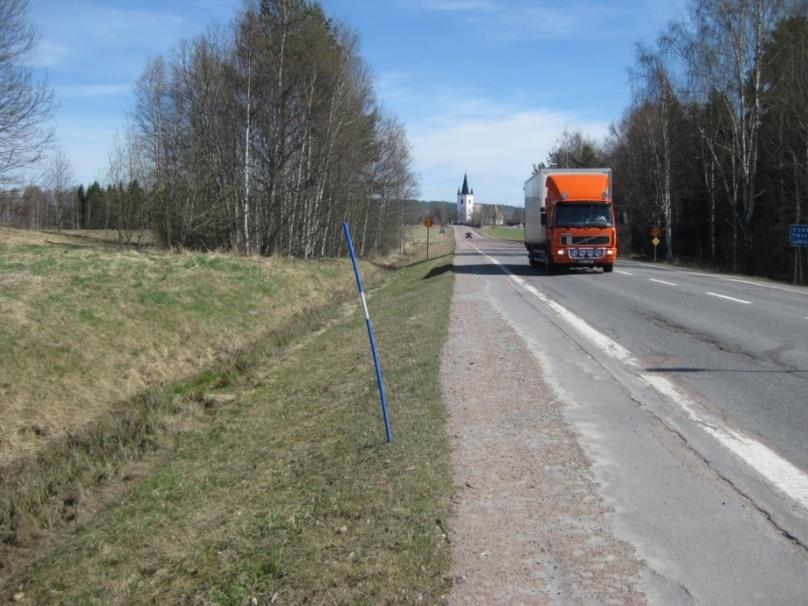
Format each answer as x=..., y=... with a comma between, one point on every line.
x=427, y=224
x=655, y=233
x=361, y=287
x=798, y=238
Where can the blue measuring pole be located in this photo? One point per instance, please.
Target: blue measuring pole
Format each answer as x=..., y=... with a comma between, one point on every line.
x=361, y=287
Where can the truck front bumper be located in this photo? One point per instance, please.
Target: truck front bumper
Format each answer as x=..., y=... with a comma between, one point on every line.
x=588, y=256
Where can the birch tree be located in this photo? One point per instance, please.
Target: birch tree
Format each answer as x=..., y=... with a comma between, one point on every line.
x=653, y=88
x=25, y=104
x=726, y=54
x=59, y=177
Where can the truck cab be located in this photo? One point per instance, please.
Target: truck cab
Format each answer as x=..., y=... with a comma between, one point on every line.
x=570, y=219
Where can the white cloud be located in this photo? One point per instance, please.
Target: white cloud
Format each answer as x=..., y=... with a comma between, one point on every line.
x=394, y=86
x=67, y=30
x=121, y=25
x=87, y=144
x=512, y=20
x=496, y=145
x=49, y=54
x=460, y=5
x=94, y=90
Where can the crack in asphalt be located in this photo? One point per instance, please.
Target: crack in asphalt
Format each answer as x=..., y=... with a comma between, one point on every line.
x=770, y=354
x=676, y=432
x=745, y=496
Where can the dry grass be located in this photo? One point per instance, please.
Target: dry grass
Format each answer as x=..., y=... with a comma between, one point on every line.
x=86, y=326
x=516, y=234
x=72, y=237
x=288, y=494
x=414, y=247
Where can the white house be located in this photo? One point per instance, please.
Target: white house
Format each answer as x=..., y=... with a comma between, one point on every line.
x=465, y=202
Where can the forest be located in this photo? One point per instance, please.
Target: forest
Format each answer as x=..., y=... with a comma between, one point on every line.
x=713, y=148
x=260, y=137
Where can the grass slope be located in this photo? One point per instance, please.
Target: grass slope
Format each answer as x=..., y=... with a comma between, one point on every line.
x=289, y=490
x=86, y=325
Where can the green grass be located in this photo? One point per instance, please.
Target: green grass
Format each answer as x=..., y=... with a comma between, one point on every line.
x=504, y=233
x=115, y=323
x=290, y=490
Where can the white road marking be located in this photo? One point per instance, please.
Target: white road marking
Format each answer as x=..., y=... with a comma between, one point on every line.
x=602, y=341
x=785, y=476
x=796, y=291
x=715, y=294
x=625, y=273
x=772, y=286
x=662, y=282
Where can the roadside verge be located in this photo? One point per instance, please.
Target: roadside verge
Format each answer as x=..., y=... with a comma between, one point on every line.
x=289, y=493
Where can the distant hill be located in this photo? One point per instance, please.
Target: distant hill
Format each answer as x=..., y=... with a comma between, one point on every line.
x=446, y=212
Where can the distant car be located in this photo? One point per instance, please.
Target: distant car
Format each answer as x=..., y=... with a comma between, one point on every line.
x=468, y=234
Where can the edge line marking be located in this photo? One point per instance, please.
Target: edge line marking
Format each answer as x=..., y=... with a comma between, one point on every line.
x=784, y=475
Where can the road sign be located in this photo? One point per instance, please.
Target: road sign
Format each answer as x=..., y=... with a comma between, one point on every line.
x=656, y=241
x=798, y=235
x=427, y=224
x=655, y=233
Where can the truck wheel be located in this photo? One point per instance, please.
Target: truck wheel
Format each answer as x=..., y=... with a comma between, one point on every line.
x=608, y=268
x=550, y=267
x=532, y=259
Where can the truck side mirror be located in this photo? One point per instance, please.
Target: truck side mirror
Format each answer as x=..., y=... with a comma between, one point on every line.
x=543, y=218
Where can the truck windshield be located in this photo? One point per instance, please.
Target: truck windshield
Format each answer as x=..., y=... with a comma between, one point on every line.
x=584, y=215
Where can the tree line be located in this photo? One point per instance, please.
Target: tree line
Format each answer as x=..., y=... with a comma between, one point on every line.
x=261, y=137
x=713, y=148
x=264, y=135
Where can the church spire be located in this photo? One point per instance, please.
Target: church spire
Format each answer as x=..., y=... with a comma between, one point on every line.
x=465, y=190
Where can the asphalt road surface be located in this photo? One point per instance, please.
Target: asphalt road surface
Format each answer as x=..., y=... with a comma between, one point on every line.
x=689, y=392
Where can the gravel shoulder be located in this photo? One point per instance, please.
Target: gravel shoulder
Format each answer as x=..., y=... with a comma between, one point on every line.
x=529, y=526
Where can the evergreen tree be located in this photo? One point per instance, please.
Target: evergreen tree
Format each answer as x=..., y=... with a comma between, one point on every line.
x=81, y=202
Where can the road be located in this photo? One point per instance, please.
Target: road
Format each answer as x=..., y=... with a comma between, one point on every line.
x=689, y=393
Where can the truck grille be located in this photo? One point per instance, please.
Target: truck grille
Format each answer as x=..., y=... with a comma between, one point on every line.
x=590, y=239
x=586, y=253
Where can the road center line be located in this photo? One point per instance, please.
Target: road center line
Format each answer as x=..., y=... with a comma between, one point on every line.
x=662, y=282
x=762, y=285
x=785, y=476
x=795, y=291
x=715, y=294
x=625, y=273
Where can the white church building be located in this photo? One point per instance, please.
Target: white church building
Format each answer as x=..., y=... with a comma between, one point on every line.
x=465, y=202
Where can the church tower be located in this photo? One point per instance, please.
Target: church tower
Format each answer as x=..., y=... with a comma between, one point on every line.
x=465, y=202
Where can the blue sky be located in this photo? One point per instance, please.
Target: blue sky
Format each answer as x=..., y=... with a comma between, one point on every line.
x=483, y=86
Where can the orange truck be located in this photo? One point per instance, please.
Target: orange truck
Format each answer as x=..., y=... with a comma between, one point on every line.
x=569, y=219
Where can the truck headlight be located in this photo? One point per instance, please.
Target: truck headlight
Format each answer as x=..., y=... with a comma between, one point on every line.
x=561, y=252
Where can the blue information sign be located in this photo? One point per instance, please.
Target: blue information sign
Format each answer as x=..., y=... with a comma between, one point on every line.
x=799, y=235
